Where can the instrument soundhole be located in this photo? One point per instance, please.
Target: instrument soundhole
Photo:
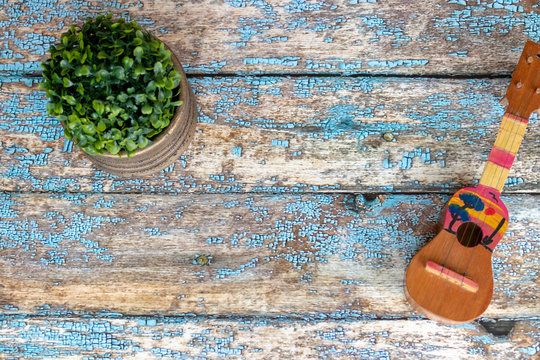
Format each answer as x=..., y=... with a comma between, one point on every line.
x=469, y=234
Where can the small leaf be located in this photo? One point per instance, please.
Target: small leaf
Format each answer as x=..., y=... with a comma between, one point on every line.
x=127, y=62
x=139, y=70
x=67, y=82
x=115, y=134
x=67, y=134
x=156, y=123
x=85, y=70
x=64, y=64
x=50, y=107
x=118, y=52
x=160, y=82
x=142, y=142
x=151, y=87
x=119, y=72
x=137, y=42
x=161, y=95
x=89, y=129
x=168, y=94
x=101, y=126
x=58, y=109
x=79, y=108
x=98, y=106
x=146, y=109
x=154, y=45
x=70, y=100
x=75, y=55
x=101, y=55
x=158, y=68
x=115, y=110
x=122, y=97
x=140, y=98
x=177, y=78
x=57, y=79
x=73, y=121
x=169, y=84
x=138, y=52
x=103, y=73
x=100, y=144
x=113, y=148
x=90, y=150
x=80, y=89
x=130, y=145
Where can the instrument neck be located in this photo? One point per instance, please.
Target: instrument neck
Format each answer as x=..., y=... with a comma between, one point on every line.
x=504, y=151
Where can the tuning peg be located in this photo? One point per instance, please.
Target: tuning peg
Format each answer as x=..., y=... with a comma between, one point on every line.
x=519, y=84
x=504, y=102
x=530, y=59
x=537, y=90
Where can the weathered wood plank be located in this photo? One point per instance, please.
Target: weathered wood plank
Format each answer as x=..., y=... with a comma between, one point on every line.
x=347, y=36
x=192, y=338
x=283, y=134
x=244, y=254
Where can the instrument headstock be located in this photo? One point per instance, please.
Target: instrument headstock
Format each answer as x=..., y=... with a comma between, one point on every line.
x=523, y=94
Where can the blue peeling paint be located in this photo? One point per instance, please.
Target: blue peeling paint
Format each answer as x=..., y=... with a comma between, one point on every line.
x=503, y=17
x=50, y=244
x=282, y=143
x=380, y=29
x=397, y=63
x=237, y=151
x=462, y=53
x=285, y=61
x=38, y=123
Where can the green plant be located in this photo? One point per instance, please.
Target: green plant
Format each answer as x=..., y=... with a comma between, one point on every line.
x=111, y=84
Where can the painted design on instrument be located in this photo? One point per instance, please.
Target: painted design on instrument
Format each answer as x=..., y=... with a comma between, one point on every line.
x=482, y=206
x=503, y=153
x=501, y=157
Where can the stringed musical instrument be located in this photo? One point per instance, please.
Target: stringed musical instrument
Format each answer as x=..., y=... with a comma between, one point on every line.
x=450, y=280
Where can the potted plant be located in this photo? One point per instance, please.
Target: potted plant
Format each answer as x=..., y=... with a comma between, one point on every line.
x=121, y=96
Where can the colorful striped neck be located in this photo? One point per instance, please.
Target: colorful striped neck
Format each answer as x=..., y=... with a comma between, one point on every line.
x=504, y=151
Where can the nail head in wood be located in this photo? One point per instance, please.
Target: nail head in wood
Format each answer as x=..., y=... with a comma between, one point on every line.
x=202, y=260
x=388, y=136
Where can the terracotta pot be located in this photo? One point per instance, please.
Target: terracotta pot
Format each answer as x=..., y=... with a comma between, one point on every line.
x=166, y=147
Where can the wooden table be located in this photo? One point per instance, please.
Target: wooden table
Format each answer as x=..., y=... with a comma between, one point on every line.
x=285, y=229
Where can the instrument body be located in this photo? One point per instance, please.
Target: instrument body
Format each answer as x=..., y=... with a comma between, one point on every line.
x=450, y=279
x=474, y=222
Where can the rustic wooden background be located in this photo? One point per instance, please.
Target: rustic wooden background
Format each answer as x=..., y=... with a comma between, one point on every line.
x=285, y=229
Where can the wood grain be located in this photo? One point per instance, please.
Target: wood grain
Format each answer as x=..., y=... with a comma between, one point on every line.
x=199, y=338
x=434, y=296
x=290, y=134
x=305, y=255
x=253, y=245
x=347, y=36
